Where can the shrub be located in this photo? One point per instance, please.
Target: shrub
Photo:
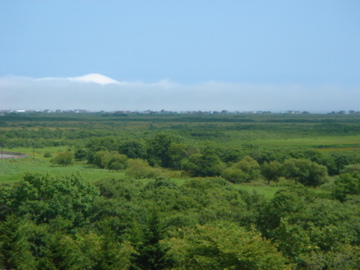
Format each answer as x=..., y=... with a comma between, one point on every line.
x=140, y=168
x=47, y=155
x=110, y=160
x=63, y=158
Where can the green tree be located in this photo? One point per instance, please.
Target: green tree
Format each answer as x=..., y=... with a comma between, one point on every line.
x=206, y=164
x=245, y=170
x=102, y=159
x=223, y=246
x=283, y=204
x=14, y=248
x=140, y=168
x=91, y=251
x=178, y=152
x=345, y=185
x=110, y=160
x=305, y=172
x=231, y=155
x=151, y=252
x=63, y=158
x=352, y=168
x=118, y=161
x=80, y=154
x=271, y=171
x=133, y=149
x=159, y=149
x=41, y=198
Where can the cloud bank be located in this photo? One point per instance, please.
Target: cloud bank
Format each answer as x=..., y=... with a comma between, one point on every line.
x=97, y=92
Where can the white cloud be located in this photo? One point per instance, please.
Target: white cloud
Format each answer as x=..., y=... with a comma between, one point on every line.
x=102, y=93
x=89, y=78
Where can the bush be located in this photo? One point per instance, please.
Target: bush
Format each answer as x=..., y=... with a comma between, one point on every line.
x=47, y=155
x=305, y=172
x=346, y=184
x=110, y=160
x=352, y=168
x=80, y=154
x=140, y=168
x=63, y=158
x=245, y=170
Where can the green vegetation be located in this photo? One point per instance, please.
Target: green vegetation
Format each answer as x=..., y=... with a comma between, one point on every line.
x=180, y=191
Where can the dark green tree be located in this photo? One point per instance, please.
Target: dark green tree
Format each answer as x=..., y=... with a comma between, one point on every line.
x=14, y=248
x=133, y=149
x=110, y=160
x=222, y=246
x=271, y=171
x=207, y=163
x=41, y=198
x=151, y=252
x=305, y=172
x=159, y=151
x=345, y=185
x=245, y=170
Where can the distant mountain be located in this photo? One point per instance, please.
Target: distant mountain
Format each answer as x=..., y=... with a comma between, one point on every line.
x=95, y=78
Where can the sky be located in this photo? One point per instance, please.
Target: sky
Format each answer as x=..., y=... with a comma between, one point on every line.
x=239, y=55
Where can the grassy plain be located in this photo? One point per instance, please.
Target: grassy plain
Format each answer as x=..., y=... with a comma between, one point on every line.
x=12, y=170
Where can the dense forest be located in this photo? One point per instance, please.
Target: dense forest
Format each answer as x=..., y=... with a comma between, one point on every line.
x=180, y=191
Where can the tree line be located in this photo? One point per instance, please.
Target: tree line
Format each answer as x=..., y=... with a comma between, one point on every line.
x=163, y=151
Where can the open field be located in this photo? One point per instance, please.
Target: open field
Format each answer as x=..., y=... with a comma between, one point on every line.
x=12, y=170
x=318, y=131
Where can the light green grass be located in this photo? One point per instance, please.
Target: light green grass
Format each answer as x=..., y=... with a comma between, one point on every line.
x=264, y=190
x=322, y=143
x=12, y=170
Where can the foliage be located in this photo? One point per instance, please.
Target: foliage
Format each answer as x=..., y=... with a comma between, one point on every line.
x=245, y=170
x=205, y=164
x=139, y=168
x=179, y=152
x=47, y=155
x=65, y=222
x=317, y=157
x=305, y=171
x=159, y=149
x=271, y=171
x=110, y=160
x=63, y=158
x=80, y=154
x=346, y=184
x=224, y=246
x=352, y=168
x=133, y=149
x=42, y=198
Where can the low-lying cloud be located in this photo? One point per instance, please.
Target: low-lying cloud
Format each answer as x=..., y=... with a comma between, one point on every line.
x=72, y=93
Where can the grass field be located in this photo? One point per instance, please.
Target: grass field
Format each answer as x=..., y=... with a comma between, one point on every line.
x=324, y=143
x=12, y=170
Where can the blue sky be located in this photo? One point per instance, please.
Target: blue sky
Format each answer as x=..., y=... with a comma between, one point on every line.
x=308, y=45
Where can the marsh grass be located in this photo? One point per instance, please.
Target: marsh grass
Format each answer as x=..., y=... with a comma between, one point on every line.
x=320, y=143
